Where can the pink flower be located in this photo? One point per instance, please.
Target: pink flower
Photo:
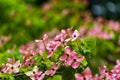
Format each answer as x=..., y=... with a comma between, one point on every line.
x=11, y=67
x=71, y=58
x=51, y=49
x=4, y=68
x=35, y=74
x=75, y=65
x=60, y=40
x=41, y=44
x=55, y=65
x=87, y=75
x=53, y=69
x=41, y=48
x=63, y=57
x=26, y=48
x=114, y=25
x=28, y=61
x=67, y=50
x=75, y=35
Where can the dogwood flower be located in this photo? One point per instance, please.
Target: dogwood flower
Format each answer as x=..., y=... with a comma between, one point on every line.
x=53, y=69
x=11, y=67
x=35, y=74
x=87, y=75
x=71, y=58
x=51, y=47
x=75, y=35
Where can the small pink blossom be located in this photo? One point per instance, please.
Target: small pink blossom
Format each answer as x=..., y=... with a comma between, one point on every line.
x=51, y=49
x=41, y=48
x=71, y=58
x=35, y=74
x=75, y=35
x=63, y=57
x=26, y=48
x=53, y=69
x=87, y=75
x=11, y=67
x=28, y=61
x=75, y=65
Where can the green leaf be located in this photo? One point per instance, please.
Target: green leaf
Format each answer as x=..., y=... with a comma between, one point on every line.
x=11, y=78
x=55, y=77
x=5, y=77
x=89, y=45
x=48, y=63
x=84, y=63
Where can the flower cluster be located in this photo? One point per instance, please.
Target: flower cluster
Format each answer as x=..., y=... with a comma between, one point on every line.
x=114, y=74
x=11, y=67
x=46, y=48
x=96, y=31
x=69, y=57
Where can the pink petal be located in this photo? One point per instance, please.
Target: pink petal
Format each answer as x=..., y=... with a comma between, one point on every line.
x=69, y=60
x=87, y=73
x=67, y=50
x=50, y=72
x=102, y=72
x=75, y=35
x=41, y=77
x=63, y=57
x=10, y=60
x=79, y=76
x=45, y=36
x=75, y=65
x=38, y=41
x=73, y=53
x=80, y=59
x=50, y=54
x=55, y=66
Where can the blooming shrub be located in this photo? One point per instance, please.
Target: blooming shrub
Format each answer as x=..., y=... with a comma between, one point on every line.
x=64, y=57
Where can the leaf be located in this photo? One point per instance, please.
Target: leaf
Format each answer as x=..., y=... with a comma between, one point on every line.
x=11, y=78
x=89, y=45
x=6, y=77
x=55, y=77
x=84, y=63
x=48, y=63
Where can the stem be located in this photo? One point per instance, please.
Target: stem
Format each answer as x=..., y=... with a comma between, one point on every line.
x=19, y=74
